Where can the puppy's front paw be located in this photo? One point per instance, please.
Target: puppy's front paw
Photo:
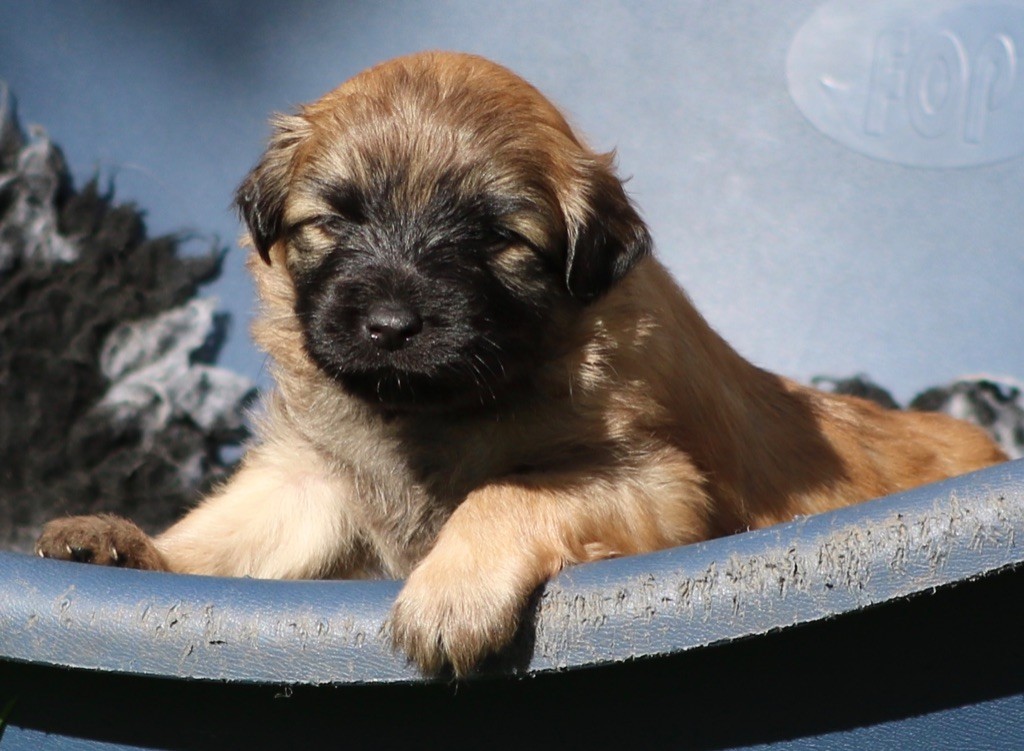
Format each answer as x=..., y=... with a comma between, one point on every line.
x=456, y=615
x=104, y=539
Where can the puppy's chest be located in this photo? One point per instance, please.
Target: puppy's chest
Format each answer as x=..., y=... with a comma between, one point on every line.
x=416, y=479
x=441, y=468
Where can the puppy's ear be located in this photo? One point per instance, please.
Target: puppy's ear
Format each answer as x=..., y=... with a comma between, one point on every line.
x=261, y=196
x=605, y=233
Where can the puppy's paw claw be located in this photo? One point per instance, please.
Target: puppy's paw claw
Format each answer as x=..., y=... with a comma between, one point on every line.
x=453, y=621
x=104, y=540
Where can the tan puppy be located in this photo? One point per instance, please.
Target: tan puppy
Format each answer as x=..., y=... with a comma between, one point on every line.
x=483, y=376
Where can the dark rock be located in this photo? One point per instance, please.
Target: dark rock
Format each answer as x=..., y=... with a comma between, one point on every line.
x=11, y=137
x=996, y=404
x=110, y=399
x=860, y=386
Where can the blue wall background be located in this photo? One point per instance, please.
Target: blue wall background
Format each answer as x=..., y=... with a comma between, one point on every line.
x=807, y=255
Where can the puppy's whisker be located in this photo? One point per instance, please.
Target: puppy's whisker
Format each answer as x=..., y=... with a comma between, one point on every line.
x=479, y=379
x=497, y=354
x=483, y=380
x=487, y=365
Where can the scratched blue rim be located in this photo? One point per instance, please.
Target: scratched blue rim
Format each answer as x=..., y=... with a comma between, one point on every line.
x=311, y=633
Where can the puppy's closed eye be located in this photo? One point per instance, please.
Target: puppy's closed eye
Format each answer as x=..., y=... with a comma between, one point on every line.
x=346, y=203
x=335, y=225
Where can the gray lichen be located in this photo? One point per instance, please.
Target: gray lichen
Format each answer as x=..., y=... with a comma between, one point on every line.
x=109, y=396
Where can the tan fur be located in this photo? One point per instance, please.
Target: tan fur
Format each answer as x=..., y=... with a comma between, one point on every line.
x=644, y=430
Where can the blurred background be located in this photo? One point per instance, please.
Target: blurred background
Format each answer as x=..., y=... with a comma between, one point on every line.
x=810, y=256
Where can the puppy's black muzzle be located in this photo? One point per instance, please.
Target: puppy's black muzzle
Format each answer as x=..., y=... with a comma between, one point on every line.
x=391, y=325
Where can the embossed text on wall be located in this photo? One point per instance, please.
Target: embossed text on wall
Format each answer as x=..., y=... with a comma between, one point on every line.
x=928, y=83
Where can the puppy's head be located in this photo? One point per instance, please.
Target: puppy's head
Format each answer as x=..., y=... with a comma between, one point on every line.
x=440, y=223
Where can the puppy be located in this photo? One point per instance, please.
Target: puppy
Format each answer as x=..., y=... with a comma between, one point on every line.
x=484, y=376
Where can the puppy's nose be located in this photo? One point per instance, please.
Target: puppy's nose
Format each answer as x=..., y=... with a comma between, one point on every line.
x=391, y=325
